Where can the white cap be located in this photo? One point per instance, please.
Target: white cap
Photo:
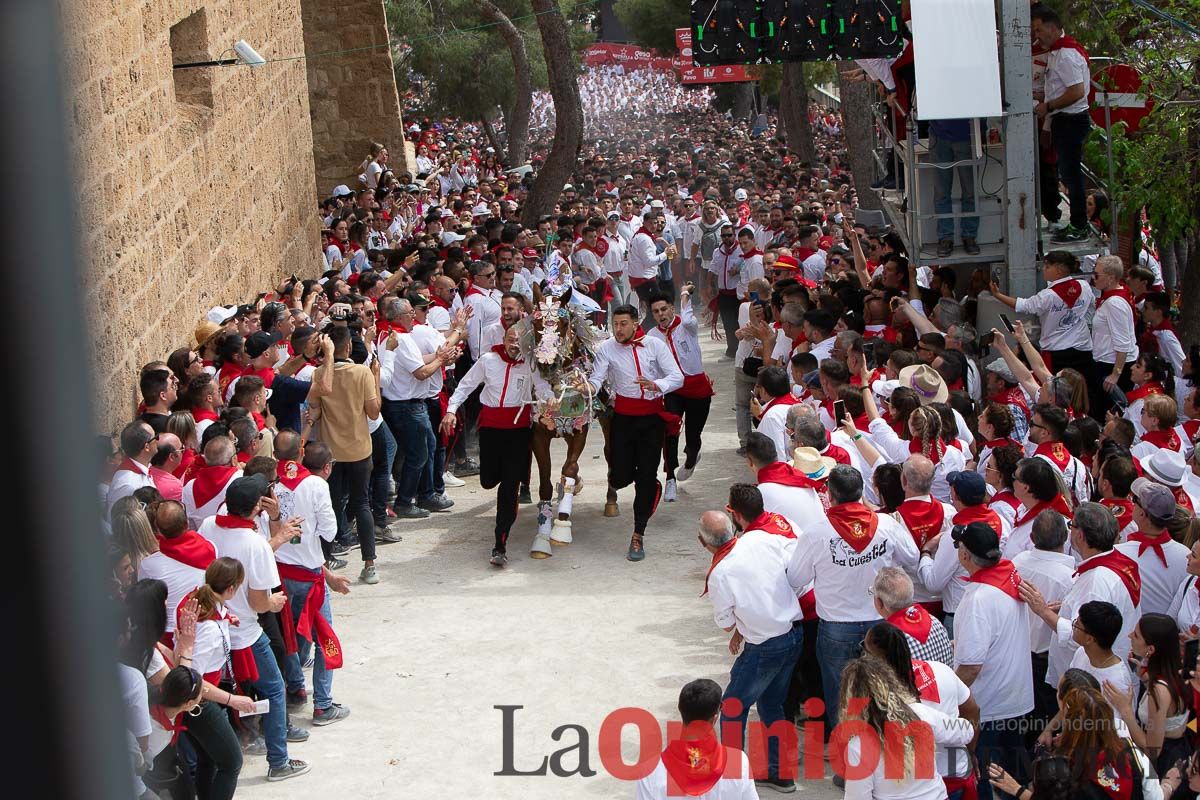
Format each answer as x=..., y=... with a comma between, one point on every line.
x=451, y=238
x=480, y=210
x=414, y=128
x=656, y=203
x=221, y=314
x=447, y=213
x=740, y=195
x=884, y=388
x=568, y=187
x=627, y=178
x=341, y=190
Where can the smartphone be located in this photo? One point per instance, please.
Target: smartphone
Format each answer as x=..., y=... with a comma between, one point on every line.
x=839, y=411
x=754, y=297
x=1008, y=323
x=1190, y=650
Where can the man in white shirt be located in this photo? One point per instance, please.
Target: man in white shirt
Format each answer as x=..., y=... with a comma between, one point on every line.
x=681, y=333
x=697, y=764
x=615, y=261
x=1062, y=309
x=484, y=300
x=773, y=391
x=236, y=535
x=640, y=371
x=819, y=327
x=1156, y=314
x=644, y=258
x=785, y=490
x=725, y=264
x=991, y=637
x=1162, y=561
x=182, y=557
x=1114, y=340
x=204, y=494
x=750, y=594
x=139, y=443
x=840, y=554
x=923, y=516
x=751, y=266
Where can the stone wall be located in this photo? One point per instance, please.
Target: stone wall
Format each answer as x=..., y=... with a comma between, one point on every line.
x=195, y=189
x=352, y=95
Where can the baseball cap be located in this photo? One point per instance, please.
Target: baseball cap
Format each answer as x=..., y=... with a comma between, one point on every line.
x=568, y=187
x=786, y=262
x=884, y=387
x=1156, y=499
x=969, y=486
x=259, y=342
x=613, y=215
x=979, y=538
x=740, y=195
x=656, y=203
x=418, y=301
x=529, y=252
x=221, y=314
x=244, y=492
x=342, y=190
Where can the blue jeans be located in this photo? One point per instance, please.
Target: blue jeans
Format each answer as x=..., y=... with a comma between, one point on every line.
x=761, y=676
x=270, y=686
x=409, y=421
x=838, y=643
x=294, y=664
x=1001, y=741
x=434, y=407
x=948, y=624
x=383, y=453
x=947, y=152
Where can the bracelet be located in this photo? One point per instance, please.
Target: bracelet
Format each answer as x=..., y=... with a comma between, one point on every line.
x=856, y=437
x=228, y=699
x=276, y=519
x=185, y=658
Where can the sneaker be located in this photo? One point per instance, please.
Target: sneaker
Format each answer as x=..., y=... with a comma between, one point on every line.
x=524, y=498
x=255, y=747
x=499, y=557
x=685, y=472
x=451, y=480
x=637, y=549
x=381, y=522
x=334, y=563
x=437, y=502
x=411, y=512
x=338, y=548
x=349, y=542
x=778, y=784
x=312, y=659
x=290, y=769
x=296, y=735
x=970, y=246
x=369, y=576
x=839, y=782
x=945, y=247
x=328, y=716
x=466, y=468
x=387, y=536
x=1057, y=226
x=670, y=493
x=297, y=700
x=1070, y=234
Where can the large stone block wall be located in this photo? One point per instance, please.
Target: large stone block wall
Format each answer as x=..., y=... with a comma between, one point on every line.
x=184, y=205
x=352, y=95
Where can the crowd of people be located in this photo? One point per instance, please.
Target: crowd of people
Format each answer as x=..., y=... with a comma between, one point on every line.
x=935, y=524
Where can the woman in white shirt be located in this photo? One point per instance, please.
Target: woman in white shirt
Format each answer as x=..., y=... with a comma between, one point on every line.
x=374, y=165
x=871, y=693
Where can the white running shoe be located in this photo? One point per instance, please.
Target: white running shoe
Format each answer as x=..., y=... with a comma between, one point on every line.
x=670, y=491
x=685, y=472
x=451, y=480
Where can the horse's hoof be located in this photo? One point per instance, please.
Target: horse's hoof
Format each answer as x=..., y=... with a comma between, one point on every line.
x=540, y=547
x=561, y=532
x=578, y=486
x=611, y=510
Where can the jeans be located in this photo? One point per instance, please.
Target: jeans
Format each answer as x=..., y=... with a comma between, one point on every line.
x=297, y=591
x=1001, y=741
x=727, y=309
x=743, y=388
x=761, y=676
x=270, y=686
x=349, y=489
x=1068, y=132
x=434, y=406
x=620, y=289
x=948, y=624
x=409, y=421
x=383, y=452
x=947, y=152
x=838, y=643
x=219, y=755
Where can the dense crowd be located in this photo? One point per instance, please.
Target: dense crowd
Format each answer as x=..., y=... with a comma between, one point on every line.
x=969, y=528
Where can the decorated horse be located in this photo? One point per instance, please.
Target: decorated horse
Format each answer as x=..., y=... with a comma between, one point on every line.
x=559, y=341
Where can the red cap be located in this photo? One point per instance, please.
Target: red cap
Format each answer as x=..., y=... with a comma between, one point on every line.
x=786, y=262
x=529, y=252
x=825, y=242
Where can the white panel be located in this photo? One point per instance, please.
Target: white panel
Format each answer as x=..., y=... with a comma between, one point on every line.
x=957, y=61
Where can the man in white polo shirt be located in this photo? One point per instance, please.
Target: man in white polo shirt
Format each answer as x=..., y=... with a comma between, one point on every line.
x=991, y=646
x=204, y=494
x=139, y=443
x=1062, y=309
x=1162, y=561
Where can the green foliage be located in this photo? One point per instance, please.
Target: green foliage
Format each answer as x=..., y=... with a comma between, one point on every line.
x=652, y=23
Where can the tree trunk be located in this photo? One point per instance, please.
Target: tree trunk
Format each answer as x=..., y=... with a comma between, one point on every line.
x=743, y=100
x=793, y=112
x=490, y=130
x=1189, y=323
x=568, y=114
x=857, y=126
x=517, y=120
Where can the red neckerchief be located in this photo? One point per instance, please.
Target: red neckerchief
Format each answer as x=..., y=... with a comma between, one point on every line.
x=1148, y=541
x=1122, y=291
x=1003, y=576
x=934, y=452
x=838, y=454
x=244, y=458
x=341, y=244
x=1056, y=452
x=1182, y=498
x=914, y=620
x=438, y=301
x=129, y=465
x=1167, y=440
x=1145, y=390
x=885, y=332
x=258, y=420
x=775, y=524
x=694, y=765
x=994, y=443
x=644, y=230
x=788, y=399
x=188, y=548
x=1068, y=291
x=201, y=414
x=923, y=518
x=855, y=523
x=1122, y=565
x=1122, y=509
x=1005, y=496
x=926, y=682
x=979, y=513
x=159, y=715
x=1067, y=42
x=787, y=475
x=717, y=558
x=1058, y=504
x=230, y=522
x=1012, y=396
x=228, y=374
x=501, y=351
x=209, y=482
x=1191, y=427
x=751, y=253
x=1165, y=326
x=802, y=254
x=311, y=624
x=600, y=248
x=291, y=473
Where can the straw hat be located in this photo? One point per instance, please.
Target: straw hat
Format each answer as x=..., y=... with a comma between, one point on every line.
x=205, y=330
x=810, y=462
x=927, y=383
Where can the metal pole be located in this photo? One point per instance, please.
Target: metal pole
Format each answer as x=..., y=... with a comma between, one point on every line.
x=1020, y=149
x=1114, y=229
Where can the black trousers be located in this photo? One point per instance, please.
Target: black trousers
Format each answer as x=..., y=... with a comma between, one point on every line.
x=504, y=465
x=1079, y=360
x=635, y=446
x=1048, y=187
x=1068, y=133
x=695, y=414
x=218, y=753
x=806, y=676
x=1099, y=401
x=727, y=308
x=350, y=489
x=644, y=292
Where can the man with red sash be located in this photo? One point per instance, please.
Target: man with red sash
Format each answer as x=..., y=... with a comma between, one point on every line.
x=304, y=493
x=991, y=646
x=139, y=443
x=1102, y=574
x=1162, y=561
x=748, y=586
x=1159, y=413
x=644, y=258
x=182, y=557
x=1047, y=429
x=927, y=638
x=1062, y=309
x=235, y=534
x=924, y=517
x=1114, y=335
x=587, y=264
x=204, y=494
x=1036, y=486
x=840, y=554
x=504, y=433
x=773, y=392
x=695, y=763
